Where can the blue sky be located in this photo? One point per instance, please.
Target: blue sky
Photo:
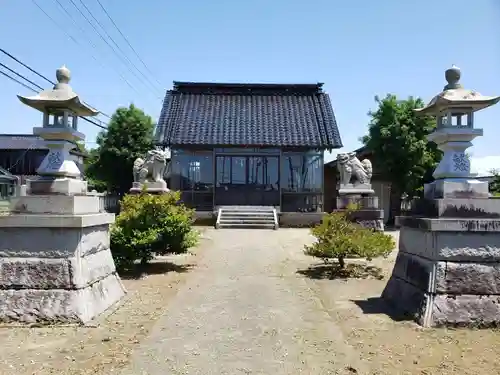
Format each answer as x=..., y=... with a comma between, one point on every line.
x=359, y=49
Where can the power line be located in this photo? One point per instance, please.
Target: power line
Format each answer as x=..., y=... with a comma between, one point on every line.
x=21, y=76
x=90, y=41
x=126, y=40
x=94, y=123
x=35, y=72
x=30, y=147
x=35, y=91
x=17, y=81
x=146, y=79
x=26, y=66
x=83, y=32
x=103, y=39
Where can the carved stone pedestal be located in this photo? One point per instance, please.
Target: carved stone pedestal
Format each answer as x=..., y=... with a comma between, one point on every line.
x=448, y=268
x=447, y=271
x=56, y=186
x=355, y=188
x=368, y=215
x=55, y=261
x=154, y=187
x=457, y=188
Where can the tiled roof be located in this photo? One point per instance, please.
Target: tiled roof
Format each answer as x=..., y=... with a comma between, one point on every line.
x=248, y=114
x=27, y=142
x=6, y=175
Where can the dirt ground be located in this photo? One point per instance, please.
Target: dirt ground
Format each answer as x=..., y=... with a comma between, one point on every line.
x=387, y=346
x=103, y=349
x=400, y=347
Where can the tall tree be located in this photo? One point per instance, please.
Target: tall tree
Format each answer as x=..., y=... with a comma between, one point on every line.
x=129, y=135
x=495, y=182
x=401, y=152
x=89, y=168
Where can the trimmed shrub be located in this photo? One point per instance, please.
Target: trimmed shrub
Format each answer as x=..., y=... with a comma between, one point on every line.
x=339, y=238
x=150, y=225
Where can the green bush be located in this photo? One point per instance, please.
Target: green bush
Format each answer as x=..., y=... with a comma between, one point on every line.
x=150, y=225
x=339, y=238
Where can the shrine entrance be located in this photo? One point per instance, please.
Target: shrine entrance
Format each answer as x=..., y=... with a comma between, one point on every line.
x=247, y=180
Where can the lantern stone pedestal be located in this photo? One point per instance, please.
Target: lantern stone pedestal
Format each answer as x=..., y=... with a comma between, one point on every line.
x=447, y=272
x=55, y=259
x=355, y=189
x=368, y=215
x=153, y=187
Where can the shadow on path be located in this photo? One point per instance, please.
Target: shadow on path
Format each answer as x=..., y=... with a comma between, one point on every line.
x=155, y=268
x=377, y=305
x=333, y=271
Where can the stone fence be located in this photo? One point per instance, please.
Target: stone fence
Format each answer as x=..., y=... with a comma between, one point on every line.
x=107, y=202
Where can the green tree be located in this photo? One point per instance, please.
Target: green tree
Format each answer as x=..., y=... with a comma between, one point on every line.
x=129, y=135
x=150, y=225
x=495, y=183
x=89, y=165
x=338, y=237
x=401, y=152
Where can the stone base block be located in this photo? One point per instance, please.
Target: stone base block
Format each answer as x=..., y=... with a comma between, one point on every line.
x=458, y=208
x=364, y=202
x=368, y=218
x=57, y=186
x=56, y=268
x=155, y=187
x=356, y=189
x=456, y=188
x=75, y=272
x=377, y=225
x=56, y=204
x=440, y=310
x=447, y=272
x=17, y=223
x=52, y=306
x=299, y=219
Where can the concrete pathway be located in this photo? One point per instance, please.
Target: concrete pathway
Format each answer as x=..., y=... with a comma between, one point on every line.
x=245, y=310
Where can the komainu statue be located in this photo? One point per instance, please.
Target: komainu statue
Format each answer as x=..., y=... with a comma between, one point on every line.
x=353, y=171
x=152, y=169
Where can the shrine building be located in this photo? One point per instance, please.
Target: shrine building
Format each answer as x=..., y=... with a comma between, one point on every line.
x=247, y=145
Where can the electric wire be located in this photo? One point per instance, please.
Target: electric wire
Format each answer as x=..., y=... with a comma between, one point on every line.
x=35, y=72
x=127, y=41
x=35, y=91
x=146, y=79
x=92, y=44
x=107, y=43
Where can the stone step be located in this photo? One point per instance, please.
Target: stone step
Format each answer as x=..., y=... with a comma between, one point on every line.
x=247, y=208
x=247, y=217
x=247, y=221
x=247, y=225
x=4, y=205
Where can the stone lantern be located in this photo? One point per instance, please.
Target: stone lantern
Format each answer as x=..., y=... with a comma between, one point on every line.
x=61, y=107
x=447, y=269
x=55, y=259
x=454, y=110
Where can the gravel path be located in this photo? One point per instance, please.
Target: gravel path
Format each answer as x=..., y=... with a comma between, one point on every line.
x=245, y=310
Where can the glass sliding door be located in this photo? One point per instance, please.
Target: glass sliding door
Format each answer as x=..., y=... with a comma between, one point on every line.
x=247, y=180
x=192, y=175
x=302, y=185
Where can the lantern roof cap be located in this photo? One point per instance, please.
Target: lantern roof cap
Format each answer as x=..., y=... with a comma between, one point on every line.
x=455, y=96
x=60, y=97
